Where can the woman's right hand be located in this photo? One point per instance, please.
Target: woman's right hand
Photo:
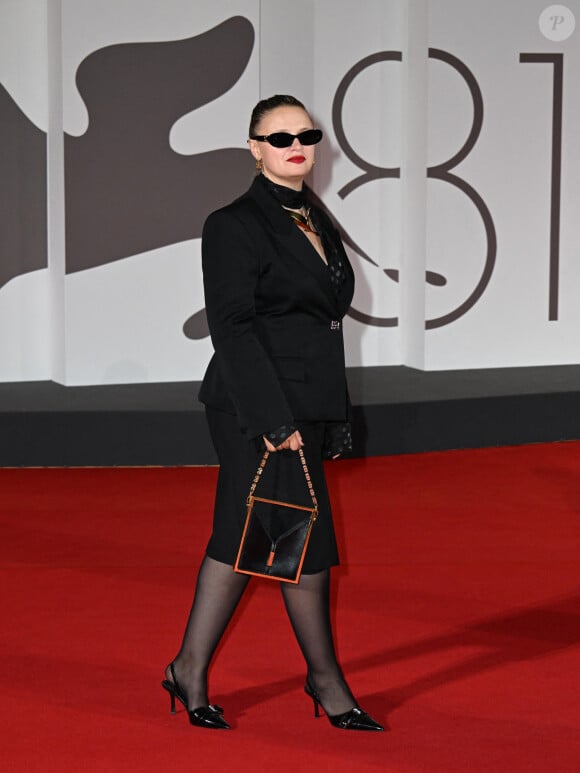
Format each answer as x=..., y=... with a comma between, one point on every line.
x=293, y=442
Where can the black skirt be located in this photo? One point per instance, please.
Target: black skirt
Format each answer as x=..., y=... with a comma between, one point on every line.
x=283, y=479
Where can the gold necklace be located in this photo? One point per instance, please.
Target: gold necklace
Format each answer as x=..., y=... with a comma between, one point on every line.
x=302, y=221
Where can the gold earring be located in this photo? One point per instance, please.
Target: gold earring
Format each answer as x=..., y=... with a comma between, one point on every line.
x=259, y=164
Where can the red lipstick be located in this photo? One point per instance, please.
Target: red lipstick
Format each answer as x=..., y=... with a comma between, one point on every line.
x=297, y=159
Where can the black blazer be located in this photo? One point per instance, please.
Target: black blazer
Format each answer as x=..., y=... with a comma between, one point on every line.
x=275, y=319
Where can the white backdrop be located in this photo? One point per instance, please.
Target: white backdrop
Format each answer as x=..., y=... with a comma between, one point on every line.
x=477, y=248
x=124, y=319
x=25, y=335
x=510, y=167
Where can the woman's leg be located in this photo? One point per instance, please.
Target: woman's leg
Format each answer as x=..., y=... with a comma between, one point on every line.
x=217, y=593
x=308, y=607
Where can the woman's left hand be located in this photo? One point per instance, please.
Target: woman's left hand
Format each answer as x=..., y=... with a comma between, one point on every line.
x=293, y=442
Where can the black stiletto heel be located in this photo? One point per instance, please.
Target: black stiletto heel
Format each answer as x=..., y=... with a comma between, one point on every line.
x=355, y=719
x=205, y=716
x=315, y=700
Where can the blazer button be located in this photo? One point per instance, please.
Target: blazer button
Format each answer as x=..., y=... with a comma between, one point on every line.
x=335, y=324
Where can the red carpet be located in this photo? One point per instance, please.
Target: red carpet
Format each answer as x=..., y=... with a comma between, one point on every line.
x=457, y=615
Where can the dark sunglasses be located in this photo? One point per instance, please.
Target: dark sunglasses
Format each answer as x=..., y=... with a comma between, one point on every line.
x=284, y=139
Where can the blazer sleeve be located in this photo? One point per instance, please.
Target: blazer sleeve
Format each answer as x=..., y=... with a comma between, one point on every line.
x=231, y=266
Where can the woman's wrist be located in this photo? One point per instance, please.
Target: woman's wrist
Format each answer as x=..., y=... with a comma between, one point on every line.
x=280, y=434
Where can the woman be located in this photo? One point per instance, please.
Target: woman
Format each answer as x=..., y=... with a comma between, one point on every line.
x=277, y=284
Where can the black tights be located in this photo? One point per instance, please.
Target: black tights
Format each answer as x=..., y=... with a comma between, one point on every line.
x=218, y=591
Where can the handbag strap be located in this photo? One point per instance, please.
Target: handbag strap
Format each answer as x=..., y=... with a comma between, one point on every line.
x=260, y=470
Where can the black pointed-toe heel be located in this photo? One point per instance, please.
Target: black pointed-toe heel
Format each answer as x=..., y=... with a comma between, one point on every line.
x=354, y=719
x=204, y=716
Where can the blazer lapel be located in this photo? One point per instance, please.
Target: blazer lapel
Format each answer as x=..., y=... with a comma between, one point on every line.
x=292, y=239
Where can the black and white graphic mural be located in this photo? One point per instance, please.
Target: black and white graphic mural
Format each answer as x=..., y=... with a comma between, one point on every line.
x=457, y=206
x=22, y=192
x=127, y=190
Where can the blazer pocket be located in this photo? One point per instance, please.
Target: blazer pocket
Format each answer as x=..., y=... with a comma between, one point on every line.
x=290, y=368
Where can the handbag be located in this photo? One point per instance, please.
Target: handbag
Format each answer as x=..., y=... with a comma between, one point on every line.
x=276, y=534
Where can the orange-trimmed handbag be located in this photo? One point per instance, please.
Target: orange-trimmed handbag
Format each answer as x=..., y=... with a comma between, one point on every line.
x=276, y=534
